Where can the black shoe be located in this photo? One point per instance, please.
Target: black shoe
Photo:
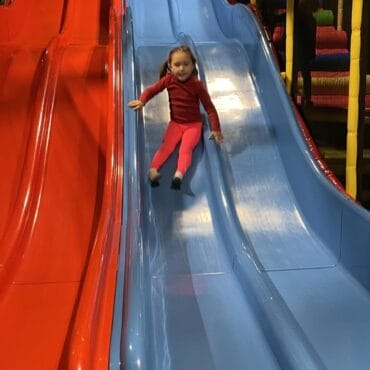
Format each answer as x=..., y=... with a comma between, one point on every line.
x=154, y=179
x=154, y=183
x=176, y=183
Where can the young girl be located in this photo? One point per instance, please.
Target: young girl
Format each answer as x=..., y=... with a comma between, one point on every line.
x=179, y=76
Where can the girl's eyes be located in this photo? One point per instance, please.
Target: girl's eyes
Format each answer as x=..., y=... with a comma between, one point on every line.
x=180, y=64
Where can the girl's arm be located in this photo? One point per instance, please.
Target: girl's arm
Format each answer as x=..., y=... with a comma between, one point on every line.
x=136, y=104
x=216, y=136
x=212, y=114
x=155, y=89
x=149, y=93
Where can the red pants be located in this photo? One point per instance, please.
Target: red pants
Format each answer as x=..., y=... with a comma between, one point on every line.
x=189, y=135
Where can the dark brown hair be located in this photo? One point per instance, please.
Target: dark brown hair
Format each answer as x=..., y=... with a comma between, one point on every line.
x=184, y=49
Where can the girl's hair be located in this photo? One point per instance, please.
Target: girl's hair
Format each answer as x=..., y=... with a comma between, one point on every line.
x=184, y=49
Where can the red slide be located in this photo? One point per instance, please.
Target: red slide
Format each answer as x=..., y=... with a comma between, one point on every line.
x=61, y=181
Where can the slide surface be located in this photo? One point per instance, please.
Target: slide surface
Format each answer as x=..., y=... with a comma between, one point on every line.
x=259, y=262
x=54, y=143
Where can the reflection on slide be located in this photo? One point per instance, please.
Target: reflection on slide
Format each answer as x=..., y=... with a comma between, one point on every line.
x=254, y=264
x=59, y=160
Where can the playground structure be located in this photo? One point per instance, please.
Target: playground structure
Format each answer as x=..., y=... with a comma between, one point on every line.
x=335, y=93
x=205, y=265
x=254, y=264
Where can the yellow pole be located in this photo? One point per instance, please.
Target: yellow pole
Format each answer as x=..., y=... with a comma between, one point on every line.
x=340, y=15
x=353, y=99
x=289, y=45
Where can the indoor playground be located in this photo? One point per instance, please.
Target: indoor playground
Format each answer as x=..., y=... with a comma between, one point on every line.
x=260, y=261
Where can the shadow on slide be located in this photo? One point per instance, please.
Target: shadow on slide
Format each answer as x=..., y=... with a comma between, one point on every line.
x=60, y=156
x=259, y=262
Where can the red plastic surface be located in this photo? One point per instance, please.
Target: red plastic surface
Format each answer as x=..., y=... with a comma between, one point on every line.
x=60, y=189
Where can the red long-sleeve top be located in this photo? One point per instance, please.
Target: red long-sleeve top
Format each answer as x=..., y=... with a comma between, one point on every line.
x=184, y=98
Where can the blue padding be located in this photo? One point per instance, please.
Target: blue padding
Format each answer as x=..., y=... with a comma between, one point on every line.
x=331, y=62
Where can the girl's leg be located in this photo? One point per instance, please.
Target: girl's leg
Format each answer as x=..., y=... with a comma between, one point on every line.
x=171, y=138
x=190, y=138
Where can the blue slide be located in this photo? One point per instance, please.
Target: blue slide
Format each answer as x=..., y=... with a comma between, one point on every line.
x=259, y=262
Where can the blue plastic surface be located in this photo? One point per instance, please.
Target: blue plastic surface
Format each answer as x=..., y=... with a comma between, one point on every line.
x=258, y=262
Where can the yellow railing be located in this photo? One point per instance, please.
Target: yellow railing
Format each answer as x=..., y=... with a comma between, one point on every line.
x=353, y=98
x=340, y=15
x=289, y=44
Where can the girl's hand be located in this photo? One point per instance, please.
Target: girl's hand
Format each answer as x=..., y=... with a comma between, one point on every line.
x=216, y=136
x=136, y=104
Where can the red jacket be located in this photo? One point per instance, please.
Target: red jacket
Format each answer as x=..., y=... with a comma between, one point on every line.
x=184, y=98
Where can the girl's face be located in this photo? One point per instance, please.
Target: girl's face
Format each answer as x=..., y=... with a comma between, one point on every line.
x=181, y=65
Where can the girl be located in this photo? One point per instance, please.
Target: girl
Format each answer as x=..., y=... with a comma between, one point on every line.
x=178, y=75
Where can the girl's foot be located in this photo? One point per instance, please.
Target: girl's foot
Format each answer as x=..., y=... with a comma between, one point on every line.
x=154, y=177
x=177, y=181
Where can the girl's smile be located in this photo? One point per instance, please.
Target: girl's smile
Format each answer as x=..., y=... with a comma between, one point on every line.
x=181, y=65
